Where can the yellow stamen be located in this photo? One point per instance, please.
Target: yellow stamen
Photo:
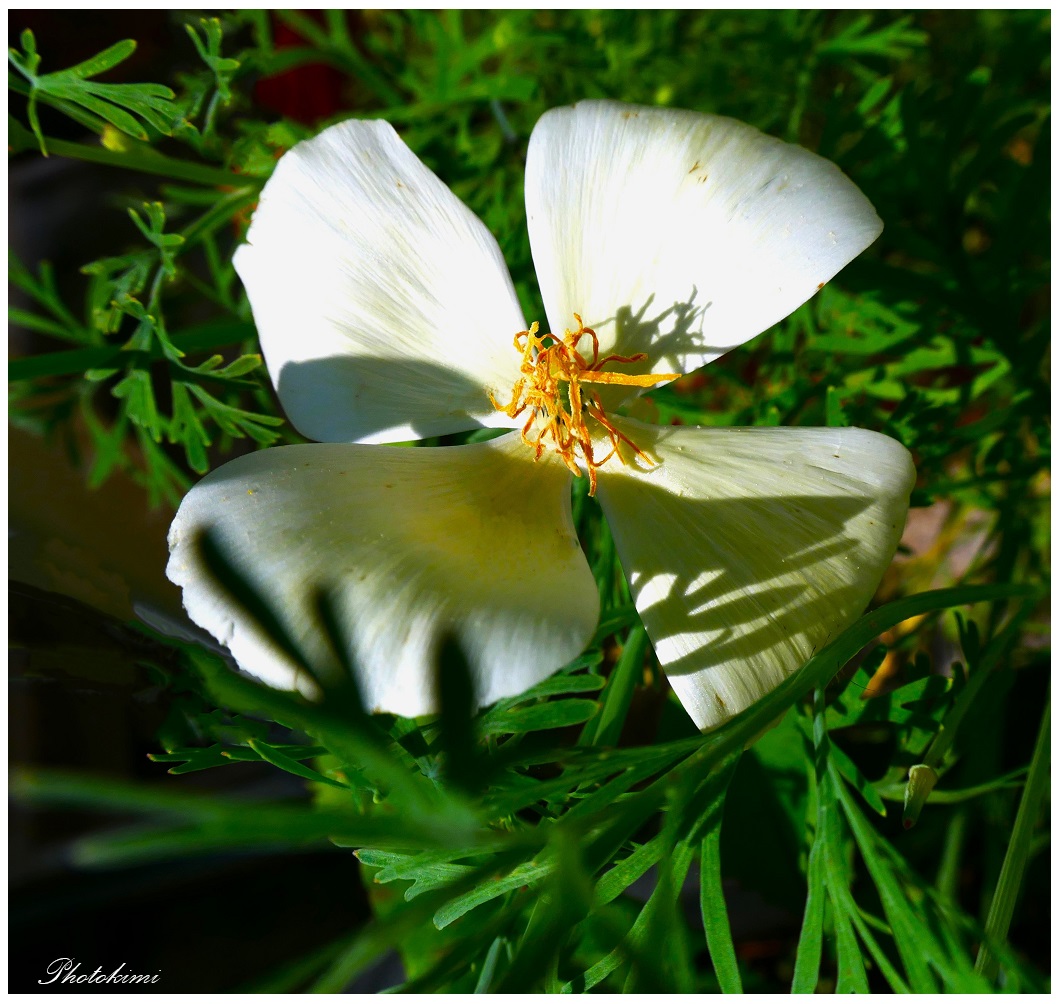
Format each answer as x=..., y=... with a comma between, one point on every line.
x=562, y=414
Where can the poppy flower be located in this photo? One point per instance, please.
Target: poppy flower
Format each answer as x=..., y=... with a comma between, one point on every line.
x=661, y=239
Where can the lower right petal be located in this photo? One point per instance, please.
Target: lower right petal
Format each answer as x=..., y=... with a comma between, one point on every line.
x=747, y=550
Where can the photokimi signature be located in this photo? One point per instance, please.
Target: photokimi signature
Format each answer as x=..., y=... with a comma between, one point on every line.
x=65, y=970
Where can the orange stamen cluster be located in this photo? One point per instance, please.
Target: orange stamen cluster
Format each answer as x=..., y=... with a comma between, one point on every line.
x=558, y=417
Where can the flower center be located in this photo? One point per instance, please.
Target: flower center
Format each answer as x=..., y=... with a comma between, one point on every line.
x=556, y=388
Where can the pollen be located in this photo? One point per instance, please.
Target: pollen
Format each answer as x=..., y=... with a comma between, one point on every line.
x=556, y=390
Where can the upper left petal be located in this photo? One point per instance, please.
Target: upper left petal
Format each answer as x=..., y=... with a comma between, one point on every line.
x=383, y=305
x=475, y=542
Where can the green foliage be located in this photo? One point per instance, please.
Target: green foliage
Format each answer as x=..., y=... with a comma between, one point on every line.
x=87, y=101
x=550, y=844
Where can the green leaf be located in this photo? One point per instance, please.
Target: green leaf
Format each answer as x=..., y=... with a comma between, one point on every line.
x=186, y=429
x=193, y=758
x=567, y=681
x=643, y=930
x=810, y=941
x=552, y=715
x=31, y=60
x=490, y=965
x=426, y=870
x=904, y=922
x=852, y=976
x=276, y=756
x=604, y=729
x=848, y=770
x=714, y=913
x=835, y=410
x=528, y=873
x=106, y=60
x=209, y=51
x=374, y=939
x=662, y=954
x=113, y=114
x=194, y=824
x=1006, y=893
x=120, y=105
x=136, y=390
x=237, y=422
x=25, y=319
x=893, y=41
x=620, y=877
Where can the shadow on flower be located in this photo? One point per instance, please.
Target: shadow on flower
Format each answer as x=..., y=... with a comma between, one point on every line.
x=742, y=590
x=665, y=341
x=358, y=397
x=724, y=595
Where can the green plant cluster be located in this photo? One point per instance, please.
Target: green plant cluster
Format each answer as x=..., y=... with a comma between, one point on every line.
x=506, y=850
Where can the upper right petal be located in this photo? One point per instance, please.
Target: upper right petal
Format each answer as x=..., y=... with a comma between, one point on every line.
x=383, y=305
x=681, y=235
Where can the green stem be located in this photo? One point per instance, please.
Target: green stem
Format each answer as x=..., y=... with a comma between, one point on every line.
x=1006, y=894
x=991, y=655
x=805, y=77
x=153, y=163
x=923, y=776
x=198, y=339
x=948, y=877
x=605, y=728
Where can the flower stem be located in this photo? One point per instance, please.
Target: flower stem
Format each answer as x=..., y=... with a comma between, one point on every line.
x=149, y=163
x=1006, y=893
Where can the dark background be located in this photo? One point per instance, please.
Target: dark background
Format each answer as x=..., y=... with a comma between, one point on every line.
x=78, y=698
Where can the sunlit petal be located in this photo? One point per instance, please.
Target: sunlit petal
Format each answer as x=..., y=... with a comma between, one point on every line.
x=748, y=549
x=678, y=234
x=383, y=305
x=475, y=542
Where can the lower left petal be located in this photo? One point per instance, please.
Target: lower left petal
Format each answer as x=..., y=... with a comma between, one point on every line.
x=414, y=545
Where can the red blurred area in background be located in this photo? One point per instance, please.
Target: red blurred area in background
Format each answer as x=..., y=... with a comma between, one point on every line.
x=307, y=93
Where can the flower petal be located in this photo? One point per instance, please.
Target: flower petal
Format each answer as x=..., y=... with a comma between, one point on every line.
x=748, y=549
x=680, y=234
x=475, y=542
x=383, y=305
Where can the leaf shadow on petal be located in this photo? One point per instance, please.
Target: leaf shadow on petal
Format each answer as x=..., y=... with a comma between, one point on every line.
x=746, y=573
x=673, y=339
x=403, y=541
x=352, y=398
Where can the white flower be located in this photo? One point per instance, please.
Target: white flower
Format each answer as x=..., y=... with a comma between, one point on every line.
x=386, y=313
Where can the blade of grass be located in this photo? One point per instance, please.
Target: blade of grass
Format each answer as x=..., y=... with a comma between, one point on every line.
x=604, y=729
x=1009, y=883
x=848, y=770
x=810, y=941
x=852, y=977
x=487, y=974
x=915, y=950
x=714, y=913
